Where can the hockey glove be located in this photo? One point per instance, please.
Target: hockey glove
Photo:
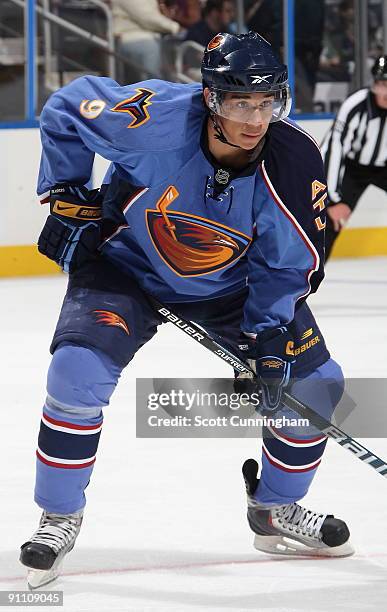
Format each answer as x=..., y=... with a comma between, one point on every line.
x=272, y=353
x=72, y=232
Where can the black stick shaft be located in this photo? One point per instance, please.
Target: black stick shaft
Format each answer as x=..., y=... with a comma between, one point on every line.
x=318, y=421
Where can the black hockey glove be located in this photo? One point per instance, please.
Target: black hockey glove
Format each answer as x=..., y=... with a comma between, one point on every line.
x=72, y=232
x=271, y=355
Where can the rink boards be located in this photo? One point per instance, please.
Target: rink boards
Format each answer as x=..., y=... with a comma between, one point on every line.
x=21, y=215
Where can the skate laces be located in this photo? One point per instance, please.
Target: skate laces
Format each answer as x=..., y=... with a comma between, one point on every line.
x=57, y=530
x=300, y=520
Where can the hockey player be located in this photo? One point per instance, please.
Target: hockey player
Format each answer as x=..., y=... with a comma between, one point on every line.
x=355, y=151
x=214, y=203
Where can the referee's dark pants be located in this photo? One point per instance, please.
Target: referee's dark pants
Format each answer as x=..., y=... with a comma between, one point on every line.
x=356, y=179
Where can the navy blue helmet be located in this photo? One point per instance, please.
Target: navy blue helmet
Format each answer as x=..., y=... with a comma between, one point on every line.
x=244, y=63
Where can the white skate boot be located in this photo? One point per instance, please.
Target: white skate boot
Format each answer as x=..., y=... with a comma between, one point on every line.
x=44, y=552
x=292, y=529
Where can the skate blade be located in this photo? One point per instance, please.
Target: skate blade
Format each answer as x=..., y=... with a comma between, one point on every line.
x=38, y=578
x=280, y=545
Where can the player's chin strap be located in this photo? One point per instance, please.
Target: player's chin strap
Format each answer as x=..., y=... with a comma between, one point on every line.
x=219, y=134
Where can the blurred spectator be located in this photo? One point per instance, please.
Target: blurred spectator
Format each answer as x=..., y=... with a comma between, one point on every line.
x=138, y=25
x=338, y=44
x=265, y=17
x=217, y=15
x=375, y=29
x=309, y=29
x=185, y=12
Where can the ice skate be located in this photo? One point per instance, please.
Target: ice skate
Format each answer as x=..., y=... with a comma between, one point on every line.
x=292, y=529
x=43, y=554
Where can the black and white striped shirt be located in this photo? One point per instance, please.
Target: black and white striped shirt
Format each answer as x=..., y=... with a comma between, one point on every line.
x=359, y=134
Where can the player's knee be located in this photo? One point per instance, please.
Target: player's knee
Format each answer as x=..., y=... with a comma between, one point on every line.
x=81, y=377
x=322, y=389
x=332, y=381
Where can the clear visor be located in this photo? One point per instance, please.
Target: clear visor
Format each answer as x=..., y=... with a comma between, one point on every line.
x=251, y=107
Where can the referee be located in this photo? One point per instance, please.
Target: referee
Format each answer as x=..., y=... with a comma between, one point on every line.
x=355, y=151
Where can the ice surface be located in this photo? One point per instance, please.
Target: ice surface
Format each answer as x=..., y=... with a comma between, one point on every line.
x=165, y=526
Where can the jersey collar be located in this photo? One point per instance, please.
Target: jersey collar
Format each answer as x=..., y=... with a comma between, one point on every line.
x=219, y=169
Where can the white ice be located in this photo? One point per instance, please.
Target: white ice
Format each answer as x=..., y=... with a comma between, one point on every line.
x=165, y=526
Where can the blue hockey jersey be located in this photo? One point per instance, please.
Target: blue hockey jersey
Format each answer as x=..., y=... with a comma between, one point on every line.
x=186, y=228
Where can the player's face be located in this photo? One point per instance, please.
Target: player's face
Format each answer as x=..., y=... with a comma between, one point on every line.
x=380, y=91
x=245, y=117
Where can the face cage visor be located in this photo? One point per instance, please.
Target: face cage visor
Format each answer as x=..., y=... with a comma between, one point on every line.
x=251, y=107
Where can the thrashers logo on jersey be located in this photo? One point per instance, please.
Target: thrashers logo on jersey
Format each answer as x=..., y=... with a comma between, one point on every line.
x=136, y=106
x=191, y=245
x=112, y=319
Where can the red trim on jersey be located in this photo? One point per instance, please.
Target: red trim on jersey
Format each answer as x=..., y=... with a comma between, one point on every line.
x=132, y=197
x=71, y=425
x=287, y=213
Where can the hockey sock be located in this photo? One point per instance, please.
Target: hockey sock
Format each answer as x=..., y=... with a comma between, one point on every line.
x=291, y=456
x=79, y=384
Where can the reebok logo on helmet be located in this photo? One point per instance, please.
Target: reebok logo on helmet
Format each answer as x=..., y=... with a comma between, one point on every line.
x=260, y=79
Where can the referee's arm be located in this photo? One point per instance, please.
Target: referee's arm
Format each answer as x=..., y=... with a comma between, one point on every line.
x=338, y=141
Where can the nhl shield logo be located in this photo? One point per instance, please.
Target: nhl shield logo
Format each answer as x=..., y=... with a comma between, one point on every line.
x=222, y=176
x=191, y=245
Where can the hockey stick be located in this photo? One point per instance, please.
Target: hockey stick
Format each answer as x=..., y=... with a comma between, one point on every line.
x=326, y=428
